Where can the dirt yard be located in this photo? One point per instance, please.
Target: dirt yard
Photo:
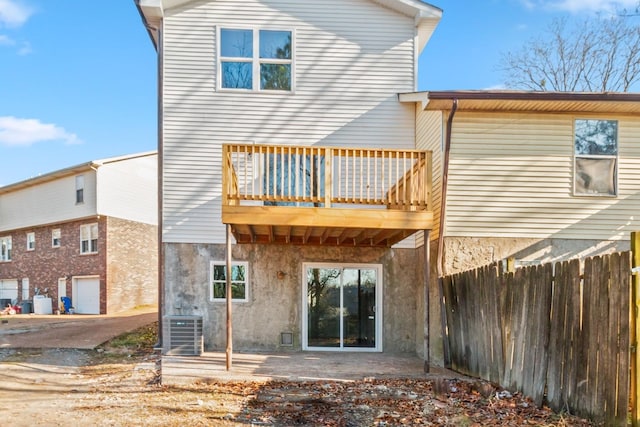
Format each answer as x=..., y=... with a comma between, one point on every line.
x=118, y=385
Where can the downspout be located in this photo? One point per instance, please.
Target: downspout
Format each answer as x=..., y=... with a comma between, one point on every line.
x=161, y=287
x=443, y=212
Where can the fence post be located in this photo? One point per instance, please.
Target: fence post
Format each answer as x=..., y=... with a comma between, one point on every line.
x=635, y=327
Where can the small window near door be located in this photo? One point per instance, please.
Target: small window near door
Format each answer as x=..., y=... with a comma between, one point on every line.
x=5, y=248
x=55, y=238
x=239, y=281
x=31, y=241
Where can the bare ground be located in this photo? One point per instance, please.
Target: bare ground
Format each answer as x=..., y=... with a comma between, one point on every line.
x=118, y=385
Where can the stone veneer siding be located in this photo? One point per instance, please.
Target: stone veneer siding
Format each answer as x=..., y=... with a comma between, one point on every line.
x=275, y=300
x=132, y=264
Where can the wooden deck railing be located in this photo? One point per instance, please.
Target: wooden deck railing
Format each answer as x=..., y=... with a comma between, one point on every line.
x=326, y=176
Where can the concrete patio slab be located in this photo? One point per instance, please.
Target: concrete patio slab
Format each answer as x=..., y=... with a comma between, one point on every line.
x=295, y=366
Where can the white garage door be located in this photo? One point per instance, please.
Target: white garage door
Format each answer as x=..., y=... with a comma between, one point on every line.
x=86, y=295
x=8, y=289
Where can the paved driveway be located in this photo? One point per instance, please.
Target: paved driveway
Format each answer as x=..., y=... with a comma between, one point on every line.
x=70, y=331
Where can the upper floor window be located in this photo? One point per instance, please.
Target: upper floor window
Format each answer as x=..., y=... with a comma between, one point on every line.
x=596, y=158
x=255, y=59
x=31, y=241
x=89, y=238
x=55, y=238
x=79, y=189
x=5, y=248
x=239, y=282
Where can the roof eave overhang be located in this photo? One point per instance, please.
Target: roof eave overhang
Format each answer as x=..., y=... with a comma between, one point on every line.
x=426, y=15
x=527, y=101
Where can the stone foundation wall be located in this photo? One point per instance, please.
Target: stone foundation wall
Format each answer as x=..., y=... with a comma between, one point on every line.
x=275, y=294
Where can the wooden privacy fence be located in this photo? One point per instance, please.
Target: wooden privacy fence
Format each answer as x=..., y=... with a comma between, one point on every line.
x=548, y=331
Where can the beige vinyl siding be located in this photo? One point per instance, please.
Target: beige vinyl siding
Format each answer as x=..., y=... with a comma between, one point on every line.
x=351, y=58
x=512, y=176
x=429, y=136
x=49, y=202
x=128, y=189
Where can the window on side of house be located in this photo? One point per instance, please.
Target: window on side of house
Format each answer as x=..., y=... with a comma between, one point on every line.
x=55, y=238
x=596, y=157
x=79, y=189
x=239, y=281
x=89, y=238
x=31, y=241
x=258, y=60
x=5, y=248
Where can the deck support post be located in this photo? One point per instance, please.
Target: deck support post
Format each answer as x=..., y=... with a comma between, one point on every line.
x=426, y=273
x=227, y=276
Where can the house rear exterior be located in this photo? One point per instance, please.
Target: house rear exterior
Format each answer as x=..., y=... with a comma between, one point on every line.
x=281, y=120
x=87, y=232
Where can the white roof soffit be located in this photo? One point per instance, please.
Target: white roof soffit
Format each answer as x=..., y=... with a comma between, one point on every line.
x=426, y=15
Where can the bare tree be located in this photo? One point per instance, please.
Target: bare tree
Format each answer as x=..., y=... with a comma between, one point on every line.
x=598, y=55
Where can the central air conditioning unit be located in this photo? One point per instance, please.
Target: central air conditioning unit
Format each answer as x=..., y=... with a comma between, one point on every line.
x=182, y=335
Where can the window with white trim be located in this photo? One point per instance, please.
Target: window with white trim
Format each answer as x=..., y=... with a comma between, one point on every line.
x=89, y=238
x=239, y=281
x=253, y=59
x=595, y=169
x=31, y=241
x=5, y=248
x=55, y=238
x=79, y=189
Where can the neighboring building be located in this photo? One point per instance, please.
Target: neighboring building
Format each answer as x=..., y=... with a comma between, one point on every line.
x=88, y=232
x=321, y=185
x=537, y=176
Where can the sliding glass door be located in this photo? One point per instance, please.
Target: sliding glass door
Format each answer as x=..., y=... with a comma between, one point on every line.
x=342, y=307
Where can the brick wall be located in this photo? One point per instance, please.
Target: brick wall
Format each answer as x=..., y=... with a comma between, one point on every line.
x=44, y=265
x=132, y=264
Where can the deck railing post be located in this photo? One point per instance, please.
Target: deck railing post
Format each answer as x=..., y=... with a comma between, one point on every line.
x=328, y=177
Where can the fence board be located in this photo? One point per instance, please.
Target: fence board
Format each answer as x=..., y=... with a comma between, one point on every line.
x=624, y=336
x=558, y=339
x=536, y=330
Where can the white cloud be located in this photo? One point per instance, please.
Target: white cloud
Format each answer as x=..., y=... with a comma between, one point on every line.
x=576, y=6
x=14, y=13
x=25, y=132
x=6, y=41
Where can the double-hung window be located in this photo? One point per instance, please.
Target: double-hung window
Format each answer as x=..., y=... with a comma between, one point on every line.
x=31, y=241
x=239, y=281
x=55, y=238
x=5, y=248
x=89, y=238
x=253, y=59
x=596, y=158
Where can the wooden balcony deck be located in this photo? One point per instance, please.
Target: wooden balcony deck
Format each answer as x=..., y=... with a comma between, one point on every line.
x=325, y=195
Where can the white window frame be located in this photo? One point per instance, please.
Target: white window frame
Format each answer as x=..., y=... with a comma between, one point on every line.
x=615, y=159
x=56, y=235
x=378, y=309
x=31, y=241
x=79, y=189
x=255, y=60
x=92, y=229
x=5, y=249
x=244, y=264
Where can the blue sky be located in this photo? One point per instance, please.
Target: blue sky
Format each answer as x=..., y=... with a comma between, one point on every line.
x=78, y=79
